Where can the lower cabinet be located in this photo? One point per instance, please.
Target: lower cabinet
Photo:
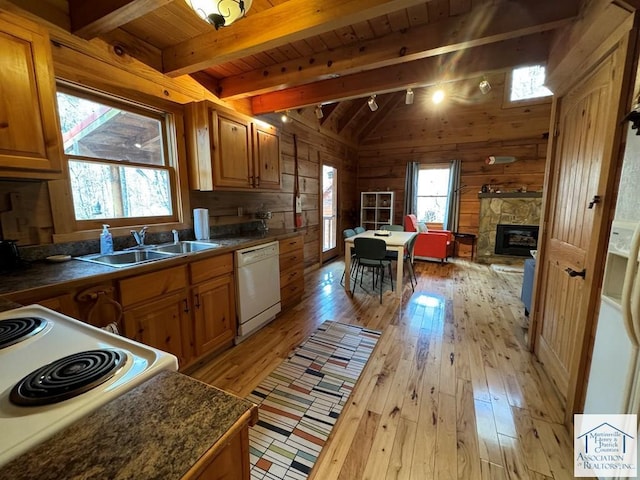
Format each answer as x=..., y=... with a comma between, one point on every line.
x=214, y=322
x=229, y=463
x=213, y=300
x=291, y=271
x=160, y=324
x=157, y=311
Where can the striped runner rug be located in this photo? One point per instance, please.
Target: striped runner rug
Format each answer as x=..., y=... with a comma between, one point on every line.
x=300, y=401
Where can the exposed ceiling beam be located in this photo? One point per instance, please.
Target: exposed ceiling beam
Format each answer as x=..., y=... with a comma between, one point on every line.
x=287, y=22
x=327, y=110
x=351, y=113
x=91, y=19
x=454, y=66
x=487, y=24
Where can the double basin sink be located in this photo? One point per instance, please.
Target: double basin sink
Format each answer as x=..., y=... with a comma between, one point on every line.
x=150, y=253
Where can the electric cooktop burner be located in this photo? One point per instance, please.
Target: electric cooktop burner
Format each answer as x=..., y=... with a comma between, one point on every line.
x=14, y=330
x=67, y=377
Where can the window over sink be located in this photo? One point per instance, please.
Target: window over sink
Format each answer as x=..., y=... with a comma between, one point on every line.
x=121, y=169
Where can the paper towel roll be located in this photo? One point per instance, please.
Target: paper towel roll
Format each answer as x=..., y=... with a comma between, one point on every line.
x=201, y=223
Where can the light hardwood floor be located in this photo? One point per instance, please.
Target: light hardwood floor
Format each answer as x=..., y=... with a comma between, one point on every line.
x=449, y=392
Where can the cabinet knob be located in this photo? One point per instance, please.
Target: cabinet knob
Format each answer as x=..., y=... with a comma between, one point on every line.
x=186, y=306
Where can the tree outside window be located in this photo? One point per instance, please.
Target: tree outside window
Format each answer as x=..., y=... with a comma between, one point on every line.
x=433, y=191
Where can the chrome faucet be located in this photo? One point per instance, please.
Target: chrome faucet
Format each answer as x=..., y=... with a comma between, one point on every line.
x=139, y=236
x=176, y=239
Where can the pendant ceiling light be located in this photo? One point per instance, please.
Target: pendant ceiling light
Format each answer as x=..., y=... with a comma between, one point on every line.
x=220, y=13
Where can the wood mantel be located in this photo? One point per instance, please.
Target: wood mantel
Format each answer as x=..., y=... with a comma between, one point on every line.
x=510, y=195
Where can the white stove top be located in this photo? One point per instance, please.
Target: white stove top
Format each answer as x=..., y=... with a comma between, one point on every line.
x=24, y=427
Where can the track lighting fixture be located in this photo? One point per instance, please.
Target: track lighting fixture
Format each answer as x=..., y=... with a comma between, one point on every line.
x=484, y=86
x=285, y=117
x=319, y=113
x=408, y=98
x=373, y=106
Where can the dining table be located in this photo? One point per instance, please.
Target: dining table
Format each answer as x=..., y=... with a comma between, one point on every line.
x=395, y=241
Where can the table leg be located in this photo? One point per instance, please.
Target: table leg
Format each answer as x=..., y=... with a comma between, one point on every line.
x=347, y=267
x=399, y=270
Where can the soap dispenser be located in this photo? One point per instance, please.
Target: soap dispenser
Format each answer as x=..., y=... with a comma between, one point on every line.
x=106, y=241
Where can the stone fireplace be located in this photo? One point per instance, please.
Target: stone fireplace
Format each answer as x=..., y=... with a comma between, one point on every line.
x=512, y=210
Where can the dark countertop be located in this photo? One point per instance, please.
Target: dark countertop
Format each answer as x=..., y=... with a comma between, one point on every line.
x=158, y=430
x=43, y=274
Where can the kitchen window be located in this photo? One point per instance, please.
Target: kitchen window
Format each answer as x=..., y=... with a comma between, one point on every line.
x=120, y=168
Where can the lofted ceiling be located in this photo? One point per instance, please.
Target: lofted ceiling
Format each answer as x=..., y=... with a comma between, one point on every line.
x=293, y=54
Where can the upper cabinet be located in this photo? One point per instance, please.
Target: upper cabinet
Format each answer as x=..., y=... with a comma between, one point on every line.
x=29, y=134
x=230, y=151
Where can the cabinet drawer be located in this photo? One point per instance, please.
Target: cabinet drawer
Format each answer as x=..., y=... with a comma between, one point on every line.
x=291, y=293
x=291, y=260
x=210, y=267
x=290, y=276
x=291, y=244
x=144, y=287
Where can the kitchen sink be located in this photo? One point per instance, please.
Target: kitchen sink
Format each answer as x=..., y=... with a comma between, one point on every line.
x=128, y=258
x=186, y=246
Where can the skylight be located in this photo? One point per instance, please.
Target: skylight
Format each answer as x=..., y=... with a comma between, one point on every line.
x=528, y=82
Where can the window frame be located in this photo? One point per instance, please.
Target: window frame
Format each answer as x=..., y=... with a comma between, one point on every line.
x=171, y=117
x=433, y=166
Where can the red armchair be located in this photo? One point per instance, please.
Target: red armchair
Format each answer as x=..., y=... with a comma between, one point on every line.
x=430, y=244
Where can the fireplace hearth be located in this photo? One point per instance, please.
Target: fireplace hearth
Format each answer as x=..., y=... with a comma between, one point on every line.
x=516, y=240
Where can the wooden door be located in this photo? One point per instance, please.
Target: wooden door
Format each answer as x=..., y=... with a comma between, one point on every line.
x=581, y=169
x=29, y=132
x=266, y=156
x=214, y=314
x=161, y=324
x=232, y=164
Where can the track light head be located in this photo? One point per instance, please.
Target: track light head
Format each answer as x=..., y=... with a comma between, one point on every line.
x=285, y=117
x=408, y=98
x=484, y=86
x=319, y=112
x=373, y=106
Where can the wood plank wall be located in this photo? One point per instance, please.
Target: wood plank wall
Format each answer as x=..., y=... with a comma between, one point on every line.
x=469, y=130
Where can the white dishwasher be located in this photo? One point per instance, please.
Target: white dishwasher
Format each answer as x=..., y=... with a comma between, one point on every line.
x=257, y=286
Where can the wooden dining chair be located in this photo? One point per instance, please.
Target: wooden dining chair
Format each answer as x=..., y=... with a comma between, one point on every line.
x=371, y=253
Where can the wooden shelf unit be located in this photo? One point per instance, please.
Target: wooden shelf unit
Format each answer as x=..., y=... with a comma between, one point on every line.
x=376, y=209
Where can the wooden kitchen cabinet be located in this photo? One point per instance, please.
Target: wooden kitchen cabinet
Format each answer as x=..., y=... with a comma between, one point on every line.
x=231, y=462
x=30, y=145
x=157, y=311
x=230, y=151
x=291, y=271
x=213, y=300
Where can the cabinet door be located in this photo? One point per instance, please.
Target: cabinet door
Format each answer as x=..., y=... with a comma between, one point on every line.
x=29, y=133
x=266, y=156
x=161, y=324
x=214, y=314
x=232, y=167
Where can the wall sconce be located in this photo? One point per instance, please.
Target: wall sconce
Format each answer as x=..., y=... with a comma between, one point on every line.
x=373, y=106
x=319, y=112
x=220, y=13
x=408, y=98
x=484, y=86
x=493, y=160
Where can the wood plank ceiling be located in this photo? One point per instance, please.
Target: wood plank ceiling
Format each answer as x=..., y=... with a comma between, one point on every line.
x=301, y=53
